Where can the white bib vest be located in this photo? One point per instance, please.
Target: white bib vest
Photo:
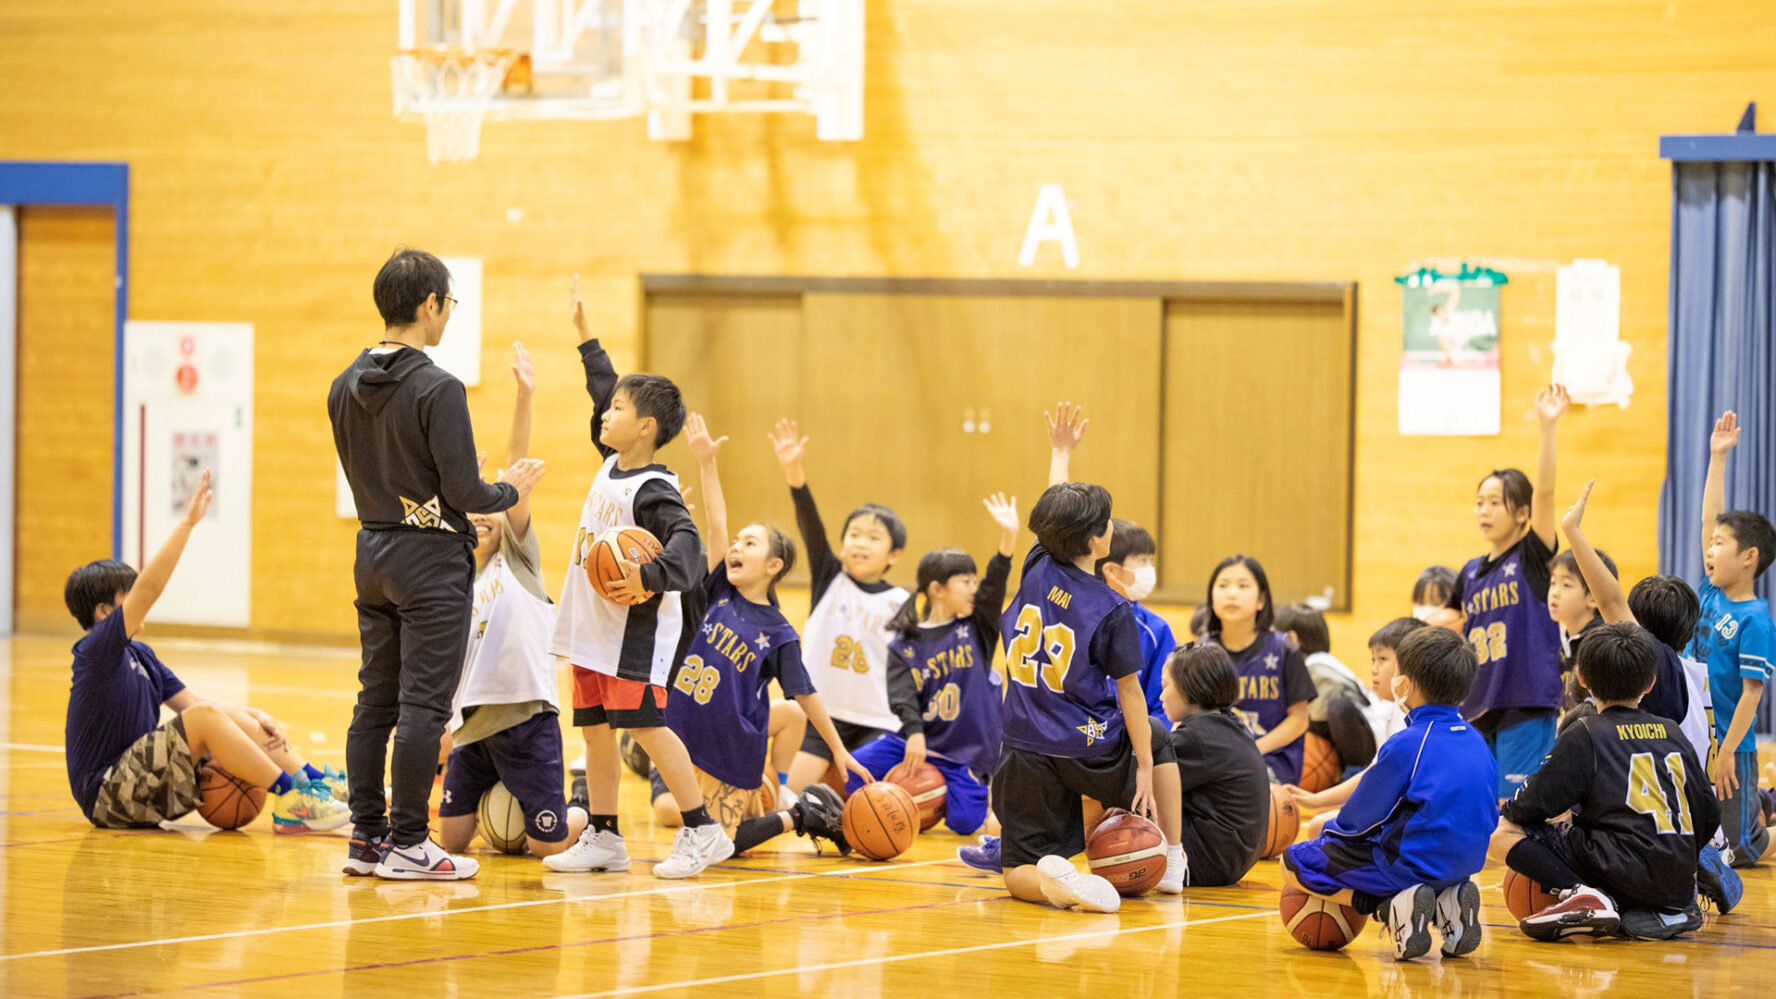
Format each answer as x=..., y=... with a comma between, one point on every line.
x=508, y=659
x=845, y=650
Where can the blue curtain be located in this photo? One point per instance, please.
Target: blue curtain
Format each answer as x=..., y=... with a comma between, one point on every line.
x=1722, y=352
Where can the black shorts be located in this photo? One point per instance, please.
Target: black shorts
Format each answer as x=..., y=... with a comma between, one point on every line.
x=1038, y=798
x=851, y=735
x=1608, y=867
x=527, y=759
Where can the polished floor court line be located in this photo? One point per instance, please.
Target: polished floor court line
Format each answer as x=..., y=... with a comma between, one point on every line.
x=94, y=913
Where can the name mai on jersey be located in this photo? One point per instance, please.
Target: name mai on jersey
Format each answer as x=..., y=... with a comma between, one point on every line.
x=1492, y=598
x=738, y=650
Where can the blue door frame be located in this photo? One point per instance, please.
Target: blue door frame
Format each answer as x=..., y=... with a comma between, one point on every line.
x=25, y=184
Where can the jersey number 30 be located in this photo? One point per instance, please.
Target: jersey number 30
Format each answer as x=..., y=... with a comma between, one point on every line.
x=1647, y=796
x=1053, y=642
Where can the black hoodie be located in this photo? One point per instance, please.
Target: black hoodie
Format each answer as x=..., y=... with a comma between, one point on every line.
x=401, y=425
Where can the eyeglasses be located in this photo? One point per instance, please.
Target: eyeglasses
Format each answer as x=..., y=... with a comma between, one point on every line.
x=453, y=302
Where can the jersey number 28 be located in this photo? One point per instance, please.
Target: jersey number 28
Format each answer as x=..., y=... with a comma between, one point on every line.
x=697, y=680
x=1054, y=642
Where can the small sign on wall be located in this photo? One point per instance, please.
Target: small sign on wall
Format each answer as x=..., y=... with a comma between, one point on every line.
x=1449, y=358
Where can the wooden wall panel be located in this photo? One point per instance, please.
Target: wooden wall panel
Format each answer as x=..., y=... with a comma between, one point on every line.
x=1289, y=140
x=66, y=333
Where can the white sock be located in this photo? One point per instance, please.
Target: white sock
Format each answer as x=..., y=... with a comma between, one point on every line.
x=1174, y=853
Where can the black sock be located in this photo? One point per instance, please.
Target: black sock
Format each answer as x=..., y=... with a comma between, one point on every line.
x=1366, y=903
x=698, y=816
x=752, y=832
x=1530, y=857
x=604, y=823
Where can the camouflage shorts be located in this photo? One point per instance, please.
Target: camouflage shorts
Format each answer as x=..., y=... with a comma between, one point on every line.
x=153, y=781
x=729, y=805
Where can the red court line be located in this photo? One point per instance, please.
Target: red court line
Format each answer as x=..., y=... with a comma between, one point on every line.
x=583, y=943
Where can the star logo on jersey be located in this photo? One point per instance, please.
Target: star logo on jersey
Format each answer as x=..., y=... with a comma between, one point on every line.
x=1093, y=730
x=1270, y=661
x=763, y=641
x=427, y=514
x=962, y=632
x=1511, y=570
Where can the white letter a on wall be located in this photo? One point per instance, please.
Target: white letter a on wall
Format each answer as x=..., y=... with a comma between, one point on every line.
x=1049, y=221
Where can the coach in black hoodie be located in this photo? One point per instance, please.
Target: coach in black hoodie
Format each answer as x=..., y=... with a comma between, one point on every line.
x=401, y=424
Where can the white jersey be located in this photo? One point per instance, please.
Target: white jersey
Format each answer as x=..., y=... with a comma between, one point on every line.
x=845, y=650
x=1697, y=724
x=508, y=660
x=594, y=633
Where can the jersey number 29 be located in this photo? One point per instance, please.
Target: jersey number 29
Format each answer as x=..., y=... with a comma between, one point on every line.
x=1054, y=642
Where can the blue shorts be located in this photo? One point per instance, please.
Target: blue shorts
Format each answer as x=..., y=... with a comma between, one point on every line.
x=1740, y=813
x=1328, y=865
x=965, y=795
x=1520, y=750
x=527, y=759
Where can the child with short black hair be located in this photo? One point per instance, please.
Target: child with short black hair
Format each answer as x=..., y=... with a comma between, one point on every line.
x=845, y=639
x=1640, y=811
x=1415, y=830
x=1275, y=688
x=1737, y=640
x=1226, y=787
x=624, y=648
x=1132, y=570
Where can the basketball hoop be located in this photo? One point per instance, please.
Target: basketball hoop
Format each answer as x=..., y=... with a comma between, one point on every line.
x=452, y=90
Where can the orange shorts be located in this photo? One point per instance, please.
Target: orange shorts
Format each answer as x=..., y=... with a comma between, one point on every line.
x=602, y=699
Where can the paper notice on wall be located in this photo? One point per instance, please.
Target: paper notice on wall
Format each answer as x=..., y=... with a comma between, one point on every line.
x=459, y=352
x=1449, y=359
x=1590, y=358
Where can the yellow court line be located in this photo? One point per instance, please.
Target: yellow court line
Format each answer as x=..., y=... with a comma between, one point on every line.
x=529, y=903
x=891, y=958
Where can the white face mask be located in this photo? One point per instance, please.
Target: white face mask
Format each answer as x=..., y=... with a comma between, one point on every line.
x=1397, y=684
x=1424, y=611
x=1146, y=578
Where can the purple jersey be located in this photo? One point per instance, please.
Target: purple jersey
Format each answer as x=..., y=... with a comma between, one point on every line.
x=959, y=694
x=720, y=699
x=1517, y=643
x=1273, y=676
x=1065, y=632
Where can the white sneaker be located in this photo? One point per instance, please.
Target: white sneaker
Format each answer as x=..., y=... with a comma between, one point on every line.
x=578, y=766
x=597, y=850
x=1177, y=871
x=1067, y=887
x=786, y=798
x=425, y=862
x=695, y=849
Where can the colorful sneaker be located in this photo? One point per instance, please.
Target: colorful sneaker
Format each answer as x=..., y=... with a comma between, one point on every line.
x=984, y=857
x=308, y=806
x=336, y=782
x=1458, y=919
x=600, y=850
x=1578, y=911
x=1406, y=921
x=693, y=850
x=1717, y=882
x=1177, y=872
x=426, y=861
x=1067, y=887
x=1645, y=924
x=364, y=854
x=821, y=815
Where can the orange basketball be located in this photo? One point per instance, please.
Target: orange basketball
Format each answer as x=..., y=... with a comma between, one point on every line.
x=1523, y=895
x=227, y=802
x=632, y=543
x=1285, y=822
x=926, y=785
x=1128, y=851
x=1319, y=765
x=881, y=820
x=1319, y=923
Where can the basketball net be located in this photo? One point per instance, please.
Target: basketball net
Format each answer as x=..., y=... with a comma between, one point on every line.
x=452, y=90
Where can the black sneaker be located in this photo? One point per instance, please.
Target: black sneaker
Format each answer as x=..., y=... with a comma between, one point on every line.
x=634, y=757
x=821, y=815
x=579, y=795
x=364, y=853
x=1645, y=924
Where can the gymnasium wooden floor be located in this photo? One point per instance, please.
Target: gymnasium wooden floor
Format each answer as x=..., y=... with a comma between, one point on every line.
x=98, y=913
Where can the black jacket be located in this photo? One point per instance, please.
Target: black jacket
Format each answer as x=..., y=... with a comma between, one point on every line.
x=401, y=425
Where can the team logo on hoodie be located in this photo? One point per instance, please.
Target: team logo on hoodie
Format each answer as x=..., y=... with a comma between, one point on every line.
x=427, y=514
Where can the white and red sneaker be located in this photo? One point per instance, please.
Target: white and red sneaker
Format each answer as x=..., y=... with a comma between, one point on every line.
x=425, y=862
x=1576, y=912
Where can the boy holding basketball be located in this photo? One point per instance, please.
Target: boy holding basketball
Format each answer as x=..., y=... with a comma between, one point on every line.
x=1415, y=830
x=624, y=645
x=1641, y=810
x=127, y=769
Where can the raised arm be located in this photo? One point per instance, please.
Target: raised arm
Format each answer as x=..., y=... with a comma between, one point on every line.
x=1606, y=589
x=1714, y=489
x=519, y=446
x=152, y=581
x=823, y=566
x=989, y=598
x=1066, y=428
x=601, y=375
x=1551, y=404
x=715, y=505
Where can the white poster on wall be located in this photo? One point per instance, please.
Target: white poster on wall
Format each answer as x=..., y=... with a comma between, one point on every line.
x=1590, y=358
x=187, y=409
